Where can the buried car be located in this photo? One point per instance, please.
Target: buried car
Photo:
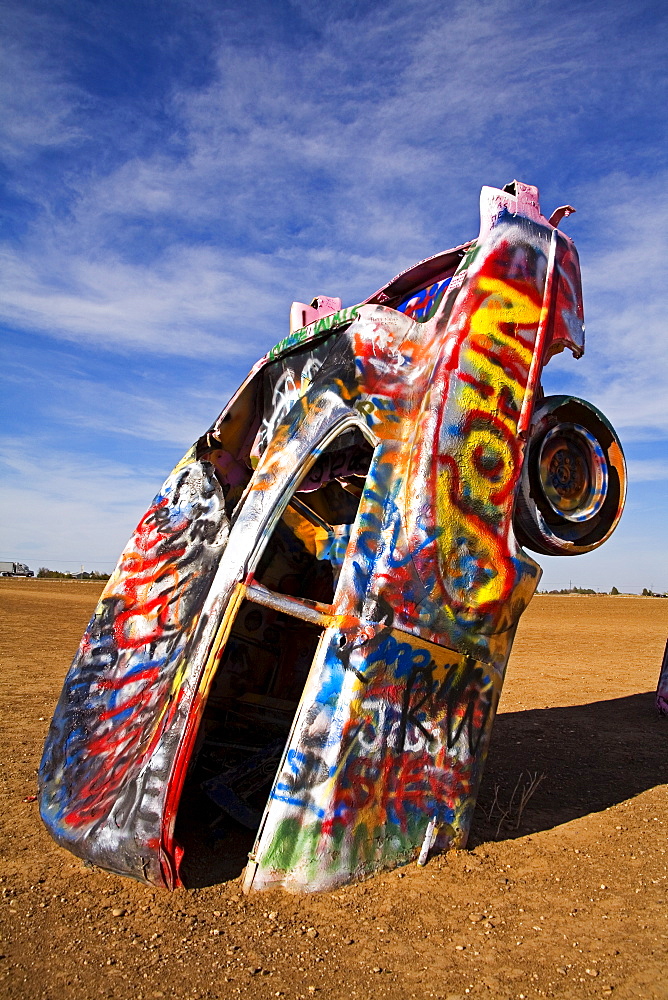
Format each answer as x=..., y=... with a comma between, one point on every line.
x=321, y=600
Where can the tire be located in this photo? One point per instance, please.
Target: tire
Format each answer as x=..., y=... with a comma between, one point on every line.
x=573, y=483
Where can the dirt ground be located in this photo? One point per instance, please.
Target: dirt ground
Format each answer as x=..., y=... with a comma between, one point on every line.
x=571, y=904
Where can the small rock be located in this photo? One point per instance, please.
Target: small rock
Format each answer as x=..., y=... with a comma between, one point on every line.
x=312, y=933
x=592, y=972
x=214, y=932
x=475, y=917
x=460, y=947
x=118, y=912
x=376, y=969
x=272, y=915
x=562, y=970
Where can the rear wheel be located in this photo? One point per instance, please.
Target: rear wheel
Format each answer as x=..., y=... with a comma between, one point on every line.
x=573, y=481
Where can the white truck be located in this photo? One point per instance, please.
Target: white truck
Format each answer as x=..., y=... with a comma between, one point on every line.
x=15, y=569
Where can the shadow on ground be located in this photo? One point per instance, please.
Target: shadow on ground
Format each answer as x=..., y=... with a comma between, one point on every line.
x=591, y=757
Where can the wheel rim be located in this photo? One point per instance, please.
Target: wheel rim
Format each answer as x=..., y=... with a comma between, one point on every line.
x=573, y=472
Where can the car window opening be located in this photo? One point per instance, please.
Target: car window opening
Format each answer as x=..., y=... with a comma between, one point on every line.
x=265, y=664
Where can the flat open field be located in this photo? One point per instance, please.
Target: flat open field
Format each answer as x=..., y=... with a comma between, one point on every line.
x=572, y=903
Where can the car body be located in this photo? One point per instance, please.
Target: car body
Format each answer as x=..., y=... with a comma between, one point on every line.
x=333, y=575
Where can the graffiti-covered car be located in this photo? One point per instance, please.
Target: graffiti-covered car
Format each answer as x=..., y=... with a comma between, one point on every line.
x=322, y=598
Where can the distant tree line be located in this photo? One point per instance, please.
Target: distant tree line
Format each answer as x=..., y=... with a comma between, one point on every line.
x=573, y=590
x=599, y=593
x=53, y=574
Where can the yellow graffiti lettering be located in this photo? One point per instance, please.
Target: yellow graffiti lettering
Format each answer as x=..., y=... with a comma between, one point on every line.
x=484, y=369
x=486, y=464
x=505, y=304
x=473, y=562
x=473, y=552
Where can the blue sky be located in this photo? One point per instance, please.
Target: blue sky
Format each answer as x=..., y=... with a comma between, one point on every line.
x=176, y=172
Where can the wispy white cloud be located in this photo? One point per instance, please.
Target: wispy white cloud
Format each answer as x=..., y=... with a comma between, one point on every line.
x=176, y=418
x=173, y=306
x=648, y=470
x=66, y=510
x=354, y=160
x=625, y=367
x=39, y=108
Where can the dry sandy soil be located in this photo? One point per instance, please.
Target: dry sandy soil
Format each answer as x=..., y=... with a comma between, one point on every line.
x=570, y=904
